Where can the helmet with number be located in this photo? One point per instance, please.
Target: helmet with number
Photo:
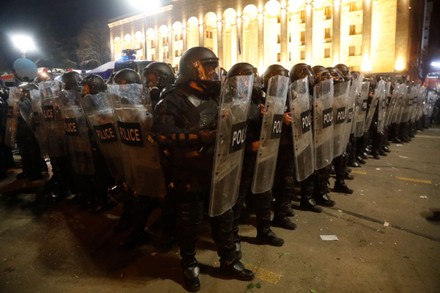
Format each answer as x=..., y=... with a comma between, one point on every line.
x=344, y=71
x=93, y=84
x=126, y=76
x=272, y=70
x=71, y=80
x=321, y=73
x=159, y=74
x=199, y=64
x=336, y=74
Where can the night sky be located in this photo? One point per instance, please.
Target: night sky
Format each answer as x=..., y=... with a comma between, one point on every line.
x=50, y=19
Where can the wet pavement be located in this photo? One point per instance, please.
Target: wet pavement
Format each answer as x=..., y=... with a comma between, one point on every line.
x=387, y=231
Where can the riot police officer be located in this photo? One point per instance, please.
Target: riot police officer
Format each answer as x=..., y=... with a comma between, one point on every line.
x=185, y=123
x=261, y=202
x=158, y=75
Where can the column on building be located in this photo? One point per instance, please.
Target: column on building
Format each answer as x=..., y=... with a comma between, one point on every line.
x=250, y=37
x=366, y=36
x=402, y=39
x=336, y=16
x=309, y=34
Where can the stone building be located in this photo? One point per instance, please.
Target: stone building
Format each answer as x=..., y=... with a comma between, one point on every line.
x=367, y=35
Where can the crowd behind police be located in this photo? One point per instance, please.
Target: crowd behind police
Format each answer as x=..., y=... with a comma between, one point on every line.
x=176, y=143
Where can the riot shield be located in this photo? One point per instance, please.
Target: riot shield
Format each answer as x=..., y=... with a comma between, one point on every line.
x=323, y=123
x=354, y=94
x=340, y=103
x=140, y=153
x=99, y=112
x=231, y=134
x=53, y=122
x=32, y=115
x=11, y=119
x=371, y=109
x=301, y=112
x=416, y=90
x=400, y=104
x=361, y=109
x=351, y=106
x=77, y=133
x=392, y=107
x=381, y=104
x=270, y=134
x=406, y=105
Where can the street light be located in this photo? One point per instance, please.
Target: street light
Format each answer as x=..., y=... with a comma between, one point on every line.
x=23, y=43
x=148, y=7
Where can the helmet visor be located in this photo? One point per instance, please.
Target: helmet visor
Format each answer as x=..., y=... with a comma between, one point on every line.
x=209, y=71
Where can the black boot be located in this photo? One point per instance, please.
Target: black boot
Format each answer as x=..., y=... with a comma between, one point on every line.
x=269, y=238
x=283, y=222
x=191, y=272
x=323, y=199
x=234, y=269
x=309, y=204
x=341, y=187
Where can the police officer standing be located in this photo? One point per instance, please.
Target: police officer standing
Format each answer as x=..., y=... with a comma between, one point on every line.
x=185, y=123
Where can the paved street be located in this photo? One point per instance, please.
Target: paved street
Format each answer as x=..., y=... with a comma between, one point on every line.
x=388, y=240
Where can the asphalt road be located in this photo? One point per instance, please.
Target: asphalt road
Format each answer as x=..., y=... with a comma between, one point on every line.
x=388, y=239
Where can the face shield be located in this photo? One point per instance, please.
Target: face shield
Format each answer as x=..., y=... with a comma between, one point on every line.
x=151, y=80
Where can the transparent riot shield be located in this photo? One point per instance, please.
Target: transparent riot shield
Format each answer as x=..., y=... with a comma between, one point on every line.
x=270, y=134
x=423, y=91
x=301, y=112
x=30, y=110
x=99, y=112
x=400, y=102
x=53, y=122
x=406, y=105
x=323, y=123
x=77, y=133
x=415, y=95
x=354, y=94
x=371, y=109
x=351, y=104
x=11, y=119
x=140, y=153
x=391, y=108
x=340, y=103
x=381, y=104
x=231, y=134
x=361, y=109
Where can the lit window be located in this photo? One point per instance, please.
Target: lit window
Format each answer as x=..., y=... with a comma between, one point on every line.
x=328, y=12
x=302, y=55
x=352, y=29
x=352, y=51
x=327, y=53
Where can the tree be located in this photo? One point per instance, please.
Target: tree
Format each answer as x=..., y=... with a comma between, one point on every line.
x=93, y=41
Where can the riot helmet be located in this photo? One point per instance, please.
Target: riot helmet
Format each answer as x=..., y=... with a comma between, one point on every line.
x=302, y=70
x=336, y=74
x=272, y=70
x=71, y=80
x=93, y=84
x=126, y=76
x=321, y=73
x=199, y=64
x=158, y=74
x=344, y=71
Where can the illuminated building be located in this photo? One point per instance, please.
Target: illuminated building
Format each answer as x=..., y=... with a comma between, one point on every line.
x=367, y=35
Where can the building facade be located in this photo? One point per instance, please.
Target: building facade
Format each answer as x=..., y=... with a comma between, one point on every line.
x=366, y=35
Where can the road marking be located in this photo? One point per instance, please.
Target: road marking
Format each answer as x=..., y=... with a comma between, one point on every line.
x=414, y=180
x=358, y=172
x=428, y=136
x=264, y=275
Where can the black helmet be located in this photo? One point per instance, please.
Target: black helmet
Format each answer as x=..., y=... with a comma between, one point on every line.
x=199, y=64
x=272, y=70
x=343, y=69
x=93, y=84
x=336, y=74
x=302, y=70
x=163, y=72
x=321, y=73
x=126, y=76
x=241, y=68
x=71, y=80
